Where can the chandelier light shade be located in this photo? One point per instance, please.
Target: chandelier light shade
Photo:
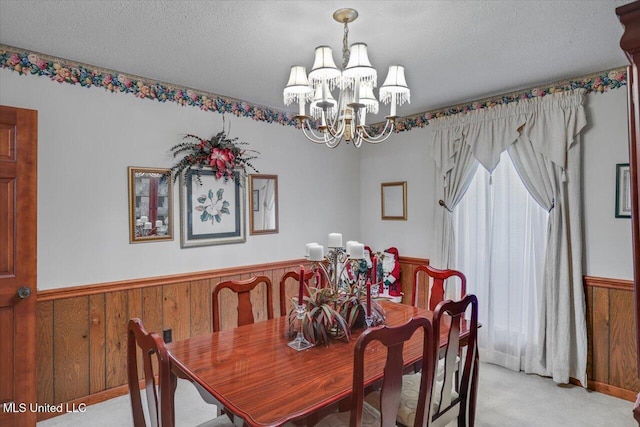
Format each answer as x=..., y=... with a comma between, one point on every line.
x=344, y=118
x=324, y=68
x=297, y=89
x=395, y=88
x=359, y=66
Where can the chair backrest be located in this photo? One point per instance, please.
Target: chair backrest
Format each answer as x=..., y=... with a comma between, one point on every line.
x=243, y=289
x=292, y=277
x=394, y=338
x=436, y=295
x=159, y=395
x=448, y=405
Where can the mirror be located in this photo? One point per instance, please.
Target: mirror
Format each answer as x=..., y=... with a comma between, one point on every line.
x=394, y=200
x=263, y=203
x=150, y=204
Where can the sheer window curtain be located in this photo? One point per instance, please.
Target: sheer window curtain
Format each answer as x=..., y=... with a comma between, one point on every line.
x=501, y=236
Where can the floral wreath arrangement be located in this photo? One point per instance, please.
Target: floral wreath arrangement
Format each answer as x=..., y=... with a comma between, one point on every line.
x=220, y=153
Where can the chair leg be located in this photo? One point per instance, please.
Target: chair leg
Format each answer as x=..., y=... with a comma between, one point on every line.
x=174, y=386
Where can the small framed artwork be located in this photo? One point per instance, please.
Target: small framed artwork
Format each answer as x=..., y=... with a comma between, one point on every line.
x=394, y=200
x=212, y=211
x=623, y=191
x=256, y=200
x=263, y=193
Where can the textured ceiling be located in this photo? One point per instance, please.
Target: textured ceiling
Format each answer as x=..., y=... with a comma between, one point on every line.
x=453, y=51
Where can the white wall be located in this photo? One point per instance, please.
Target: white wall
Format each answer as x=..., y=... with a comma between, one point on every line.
x=88, y=137
x=405, y=158
x=605, y=143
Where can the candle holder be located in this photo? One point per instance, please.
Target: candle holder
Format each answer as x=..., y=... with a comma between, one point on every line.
x=369, y=319
x=300, y=342
x=334, y=269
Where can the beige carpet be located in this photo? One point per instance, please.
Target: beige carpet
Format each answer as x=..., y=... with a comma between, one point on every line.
x=505, y=398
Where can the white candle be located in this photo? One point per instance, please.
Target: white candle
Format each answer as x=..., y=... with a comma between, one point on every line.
x=349, y=245
x=147, y=225
x=144, y=218
x=158, y=223
x=138, y=223
x=307, y=246
x=335, y=240
x=316, y=253
x=393, y=104
x=357, y=251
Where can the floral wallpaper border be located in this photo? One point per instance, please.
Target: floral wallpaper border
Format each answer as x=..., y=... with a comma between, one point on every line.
x=65, y=71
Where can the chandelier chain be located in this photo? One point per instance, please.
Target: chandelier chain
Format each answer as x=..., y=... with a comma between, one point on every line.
x=345, y=46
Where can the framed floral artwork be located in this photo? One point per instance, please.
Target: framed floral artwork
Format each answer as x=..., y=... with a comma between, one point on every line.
x=212, y=210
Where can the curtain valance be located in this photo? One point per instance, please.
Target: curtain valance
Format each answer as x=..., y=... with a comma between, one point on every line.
x=549, y=122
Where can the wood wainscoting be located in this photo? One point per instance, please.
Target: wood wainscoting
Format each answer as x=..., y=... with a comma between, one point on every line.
x=82, y=330
x=611, y=367
x=407, y=270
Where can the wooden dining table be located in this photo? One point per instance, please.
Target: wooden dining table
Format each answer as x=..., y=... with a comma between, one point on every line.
x=257, y=377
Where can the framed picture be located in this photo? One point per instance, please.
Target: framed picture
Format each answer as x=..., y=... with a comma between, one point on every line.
x=255, y=197
x=623, y=191
x=394, y=200
x=263, y=192
x=212, y=211
x=150, y=201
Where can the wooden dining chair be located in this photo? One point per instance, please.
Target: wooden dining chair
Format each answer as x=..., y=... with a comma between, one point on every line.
x=450, y=400
x=393, y=338
x=292, y=277
x=243, y=289
x=436, y=295
x=159, y=394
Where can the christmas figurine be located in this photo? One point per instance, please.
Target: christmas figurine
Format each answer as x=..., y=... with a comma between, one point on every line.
x=391, y=274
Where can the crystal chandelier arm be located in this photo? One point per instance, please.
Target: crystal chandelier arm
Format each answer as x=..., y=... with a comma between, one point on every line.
x=337, y=124
x=384, y=135
x=322, y=139
x=335, y=129
x=310, y=134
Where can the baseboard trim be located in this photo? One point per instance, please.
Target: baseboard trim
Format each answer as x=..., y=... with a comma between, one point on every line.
x=608, y=389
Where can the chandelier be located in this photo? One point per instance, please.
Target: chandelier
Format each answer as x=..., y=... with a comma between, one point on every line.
x=345, y=118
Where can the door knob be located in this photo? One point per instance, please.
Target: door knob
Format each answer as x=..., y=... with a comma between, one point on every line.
x=24, y=292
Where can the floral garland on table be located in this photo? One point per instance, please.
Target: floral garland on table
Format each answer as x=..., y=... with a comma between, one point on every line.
x=220, y=153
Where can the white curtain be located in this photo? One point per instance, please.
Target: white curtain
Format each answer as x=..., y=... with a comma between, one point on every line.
x=559, y=192
x=548, y=126
x=457, y=166
x=501, y=236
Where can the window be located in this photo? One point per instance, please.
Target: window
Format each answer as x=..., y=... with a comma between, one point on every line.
x=501, y=235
